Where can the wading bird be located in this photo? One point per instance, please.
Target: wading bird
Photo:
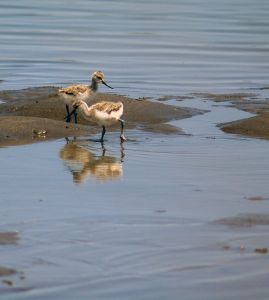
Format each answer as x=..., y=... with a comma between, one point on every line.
x=81, y=92
x=102, y=113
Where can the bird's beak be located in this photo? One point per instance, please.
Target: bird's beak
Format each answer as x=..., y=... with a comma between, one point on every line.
x=107, y=84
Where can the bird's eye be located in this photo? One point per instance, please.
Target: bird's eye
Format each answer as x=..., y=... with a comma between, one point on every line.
x=99, y=77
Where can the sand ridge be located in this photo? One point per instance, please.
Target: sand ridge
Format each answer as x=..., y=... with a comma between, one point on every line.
x=36, y=114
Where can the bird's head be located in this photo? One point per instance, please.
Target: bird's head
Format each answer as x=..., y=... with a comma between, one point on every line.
x=77, y=104
x=99, y=77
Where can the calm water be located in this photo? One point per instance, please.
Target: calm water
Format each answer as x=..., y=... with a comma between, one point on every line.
x=137, y=222
x=146, y=48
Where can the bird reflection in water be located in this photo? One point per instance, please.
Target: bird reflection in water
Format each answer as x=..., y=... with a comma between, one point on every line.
x=82, y=162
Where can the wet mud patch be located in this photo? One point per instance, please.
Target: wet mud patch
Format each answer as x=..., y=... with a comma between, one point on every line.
x=255, y=237
x=16, y=130
x=162, y=128
x=7, y=271
x=245, y=220
x=261, y=250
x=173, y=97
x=28, y=112
x=257, y=198
x=8, y=238
x=233, y=97
x=245, y=246
x=256, y=126
x=249, y=102
x=10, y=278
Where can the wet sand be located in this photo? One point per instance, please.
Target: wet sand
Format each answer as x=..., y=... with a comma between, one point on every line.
x=6, y=271
x=7, y=238
x=35, y=114
x=257, y=126
x=243, y=220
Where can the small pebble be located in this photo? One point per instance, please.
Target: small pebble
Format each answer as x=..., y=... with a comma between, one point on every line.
x=40, y=133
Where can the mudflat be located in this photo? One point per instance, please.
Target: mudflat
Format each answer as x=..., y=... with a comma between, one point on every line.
x=35, y=114
x=256, y=126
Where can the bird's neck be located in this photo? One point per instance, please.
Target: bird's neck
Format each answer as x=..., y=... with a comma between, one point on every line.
x=85, y=108
x=94, y=86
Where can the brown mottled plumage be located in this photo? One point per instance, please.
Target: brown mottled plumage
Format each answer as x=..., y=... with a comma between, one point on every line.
x=81, y=92
x=76, y=90
x=107, y=107
x=103, y=113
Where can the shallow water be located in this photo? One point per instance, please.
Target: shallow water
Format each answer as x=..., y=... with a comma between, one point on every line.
x=142, y=221
x=139, y=221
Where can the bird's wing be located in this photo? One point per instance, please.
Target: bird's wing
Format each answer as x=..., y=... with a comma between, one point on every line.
x=107, y=107
x=74, y=90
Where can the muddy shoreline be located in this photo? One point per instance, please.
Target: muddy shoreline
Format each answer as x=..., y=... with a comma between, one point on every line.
x=256, y=126
x=36, y=114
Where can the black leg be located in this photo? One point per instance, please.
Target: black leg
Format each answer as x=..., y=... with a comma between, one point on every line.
x=103, y=149
x=103, y=133
x=122, y=137
x=68, y=118
x=76, y=116
x=122, y=154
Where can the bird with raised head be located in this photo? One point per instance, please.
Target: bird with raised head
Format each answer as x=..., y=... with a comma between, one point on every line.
x=83, y=92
